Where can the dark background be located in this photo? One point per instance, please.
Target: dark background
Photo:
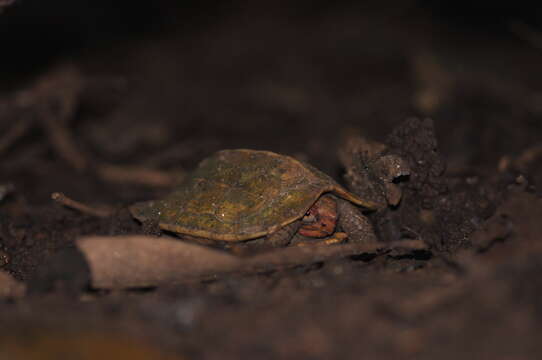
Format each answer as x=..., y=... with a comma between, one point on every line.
x=167, y=83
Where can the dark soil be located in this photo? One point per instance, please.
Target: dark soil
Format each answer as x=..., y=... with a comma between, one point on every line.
x=454, y=90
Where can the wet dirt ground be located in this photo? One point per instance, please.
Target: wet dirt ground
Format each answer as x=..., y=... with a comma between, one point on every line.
x=110, y=106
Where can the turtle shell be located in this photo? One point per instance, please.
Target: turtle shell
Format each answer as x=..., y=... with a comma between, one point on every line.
x=237, y=195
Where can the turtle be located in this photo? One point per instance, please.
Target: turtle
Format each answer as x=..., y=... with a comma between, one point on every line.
x=240, y=195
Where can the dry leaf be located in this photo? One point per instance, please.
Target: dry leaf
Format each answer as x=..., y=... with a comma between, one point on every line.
x=140, y=261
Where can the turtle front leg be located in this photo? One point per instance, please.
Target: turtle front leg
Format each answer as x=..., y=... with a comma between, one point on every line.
x=284, y=235
x=354, y=223
x=151, y=227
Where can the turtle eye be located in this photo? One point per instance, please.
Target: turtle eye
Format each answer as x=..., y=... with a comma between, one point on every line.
x=308, y=218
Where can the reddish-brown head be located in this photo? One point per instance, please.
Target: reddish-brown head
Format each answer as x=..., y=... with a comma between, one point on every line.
x=321, y=218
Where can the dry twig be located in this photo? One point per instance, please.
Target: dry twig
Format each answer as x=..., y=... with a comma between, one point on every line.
x=140, y=261
x=298, y=255
x=136, y=175
x=54, y=100
x=76, y=205
x=64, y=144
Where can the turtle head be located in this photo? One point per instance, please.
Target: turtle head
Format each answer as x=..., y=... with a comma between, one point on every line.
x=320, y=219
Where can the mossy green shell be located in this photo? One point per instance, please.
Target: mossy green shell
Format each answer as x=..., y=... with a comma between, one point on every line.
x=237, y=195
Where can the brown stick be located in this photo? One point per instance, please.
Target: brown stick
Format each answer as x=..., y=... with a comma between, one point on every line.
x=63, y=143
x=139, y=261
x=293, y=256
x=136, y=175
x=76, y=205
x=54, y=99
x=65, y=146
